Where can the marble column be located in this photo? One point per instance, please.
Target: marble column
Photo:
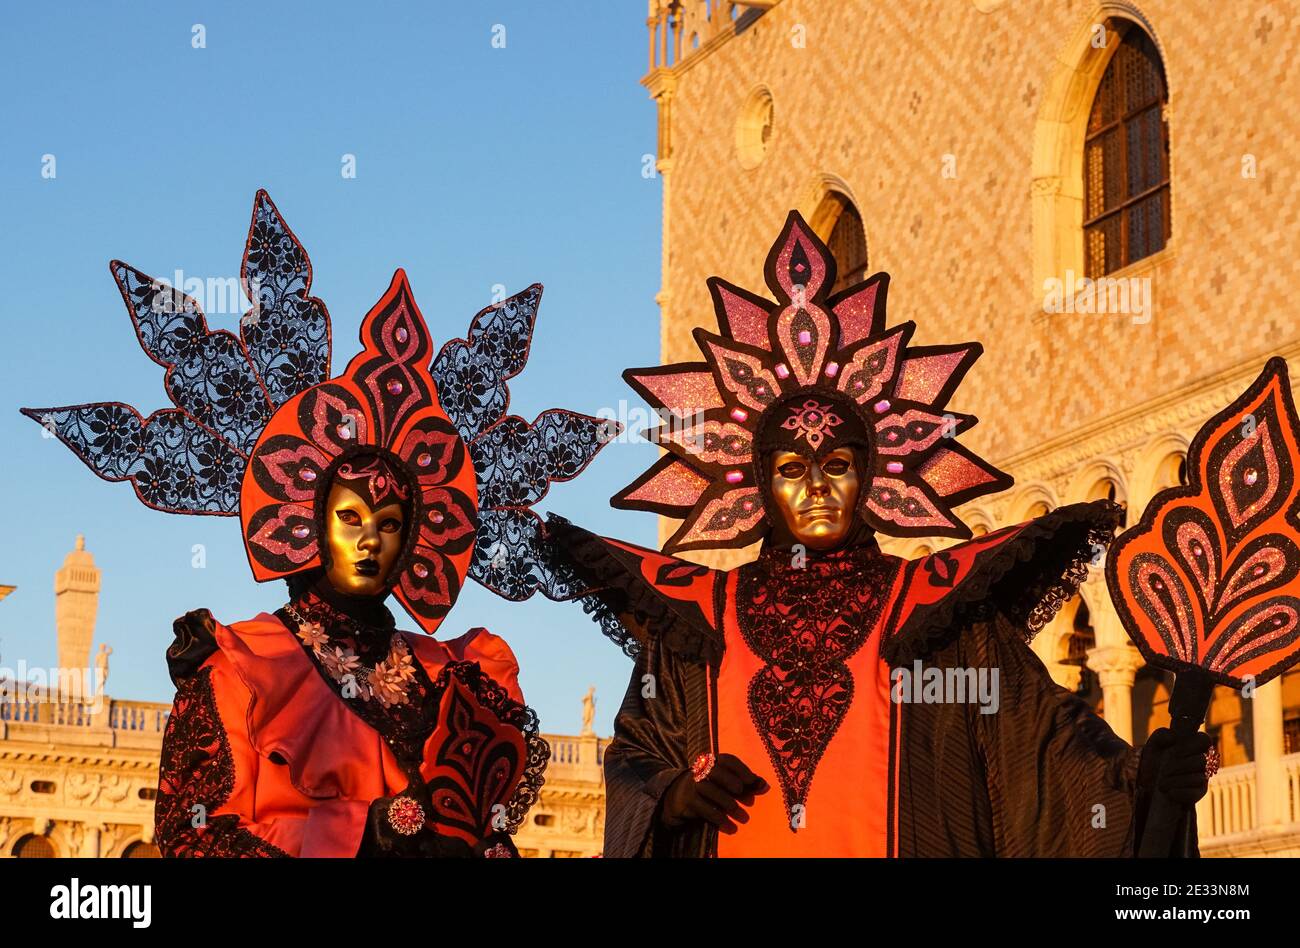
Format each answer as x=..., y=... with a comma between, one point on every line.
x=1270, y=778
x=1116, y=667
x=1114, y=658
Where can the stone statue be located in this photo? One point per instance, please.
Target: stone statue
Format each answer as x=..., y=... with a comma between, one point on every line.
x=588, y=711
x=101, y=668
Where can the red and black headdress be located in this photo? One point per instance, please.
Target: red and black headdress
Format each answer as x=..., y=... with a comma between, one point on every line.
x=830, y=368
x=260, y=429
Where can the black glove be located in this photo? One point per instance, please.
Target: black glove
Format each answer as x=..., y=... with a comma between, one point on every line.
x=718, y=799
x=196, y=639
x=381, y=841
x=1175, y=768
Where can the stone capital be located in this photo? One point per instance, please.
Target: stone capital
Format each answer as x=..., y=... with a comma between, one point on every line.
x=1115, y=664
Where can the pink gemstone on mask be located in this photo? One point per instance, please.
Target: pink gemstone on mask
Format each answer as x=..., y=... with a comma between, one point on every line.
x=425, y=459
x=832, y=369
x=805, y=337
x=307, y=474
x=739, y=414
x=748, y=505
x=437, y=517
x=301, y=531
x=881, y=406
x=380, y=481
x=401, y=334
x=394, y=387
x=419, y=569
x=894, y=467
x=782, y=371
x=884, y=495
x=734, y=477
x=344, y=431
x=1251, y=476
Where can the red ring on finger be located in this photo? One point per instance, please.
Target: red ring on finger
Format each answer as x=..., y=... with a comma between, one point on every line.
x=702, y=767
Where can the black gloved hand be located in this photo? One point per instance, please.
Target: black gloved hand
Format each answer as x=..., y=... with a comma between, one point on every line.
x=381, y=841
x=1175, y=768
x=719, y=799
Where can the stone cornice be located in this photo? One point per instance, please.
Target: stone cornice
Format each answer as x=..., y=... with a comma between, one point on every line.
x=60, y=756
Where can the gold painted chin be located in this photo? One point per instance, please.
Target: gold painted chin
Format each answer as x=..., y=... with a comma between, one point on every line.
x=358, y=585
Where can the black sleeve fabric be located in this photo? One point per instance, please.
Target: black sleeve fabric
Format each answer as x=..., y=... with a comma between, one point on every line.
x=1061, y=782
x=1027, y=577
x=629, y=609
x=647, y=754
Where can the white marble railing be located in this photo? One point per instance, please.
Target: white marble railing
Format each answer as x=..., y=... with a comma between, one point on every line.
x=576, y=757
x=142, y=717
x=680, y=28
x=1230, y=803
x=1230, y=806
x=1291, y=767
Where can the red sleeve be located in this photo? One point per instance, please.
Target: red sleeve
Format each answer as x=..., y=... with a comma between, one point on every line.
x=198, y=812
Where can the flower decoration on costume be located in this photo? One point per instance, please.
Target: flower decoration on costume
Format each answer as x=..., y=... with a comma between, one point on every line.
x=406, y=816
x=260, y=429
x=832, y=347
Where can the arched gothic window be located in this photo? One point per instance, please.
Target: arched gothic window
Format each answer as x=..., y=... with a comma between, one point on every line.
x=1126, y=159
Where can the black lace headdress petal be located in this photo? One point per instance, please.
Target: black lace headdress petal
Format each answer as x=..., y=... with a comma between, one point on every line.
x=190, y=459
x=516, y=461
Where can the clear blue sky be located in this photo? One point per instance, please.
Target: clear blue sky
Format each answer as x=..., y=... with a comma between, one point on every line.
x=475, y=166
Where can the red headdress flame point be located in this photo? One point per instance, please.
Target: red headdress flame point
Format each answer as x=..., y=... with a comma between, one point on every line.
x=1208, y=581
x=836, y=346
x=385, y=401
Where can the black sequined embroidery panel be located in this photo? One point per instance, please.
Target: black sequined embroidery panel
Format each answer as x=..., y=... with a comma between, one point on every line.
x=805, y=623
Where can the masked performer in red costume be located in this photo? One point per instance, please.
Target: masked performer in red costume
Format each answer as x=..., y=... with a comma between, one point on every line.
x=774, y=708
x=321, y=729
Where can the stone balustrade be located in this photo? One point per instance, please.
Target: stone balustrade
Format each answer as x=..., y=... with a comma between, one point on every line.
x=680, y=29
x=138, y=717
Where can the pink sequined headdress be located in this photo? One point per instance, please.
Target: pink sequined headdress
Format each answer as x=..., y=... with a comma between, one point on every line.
x=832, y=347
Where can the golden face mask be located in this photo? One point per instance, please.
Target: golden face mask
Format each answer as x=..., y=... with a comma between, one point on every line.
x=363, y=543
x=817, y=498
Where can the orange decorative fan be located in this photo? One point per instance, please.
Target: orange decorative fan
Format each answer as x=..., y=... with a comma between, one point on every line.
x=1208, y=581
